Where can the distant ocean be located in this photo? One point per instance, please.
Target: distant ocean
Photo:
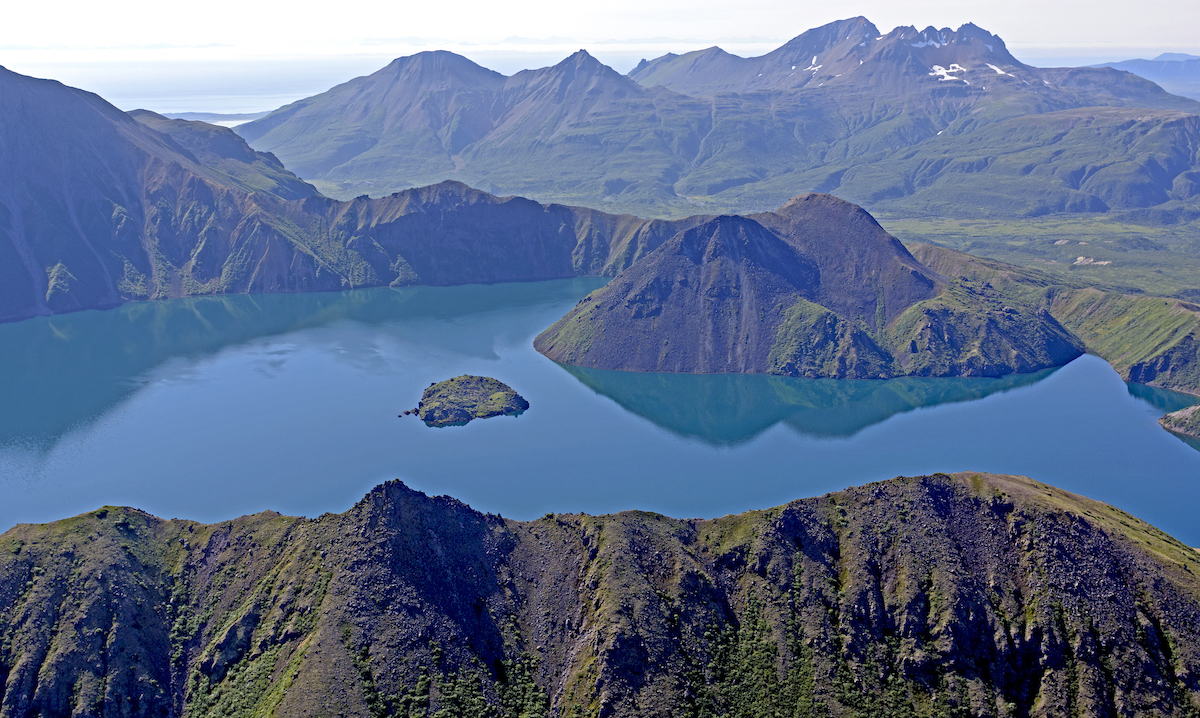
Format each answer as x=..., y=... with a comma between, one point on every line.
x=246, y=86
x=226, y=87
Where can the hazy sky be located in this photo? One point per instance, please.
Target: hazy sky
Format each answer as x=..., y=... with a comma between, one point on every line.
x=144, y=48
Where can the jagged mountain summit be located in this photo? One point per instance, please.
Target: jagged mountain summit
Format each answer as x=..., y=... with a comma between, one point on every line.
x=815, y=289
x=887, y=120
x=852, y=56
x=970, y=594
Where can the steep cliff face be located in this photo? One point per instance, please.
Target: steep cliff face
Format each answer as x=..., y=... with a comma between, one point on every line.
x=942, y=595
x=815, y=289
x=98, y=207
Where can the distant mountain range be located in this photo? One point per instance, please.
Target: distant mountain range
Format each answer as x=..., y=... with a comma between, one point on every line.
x=1175, y=72
x=945, y=595
x=927, y=121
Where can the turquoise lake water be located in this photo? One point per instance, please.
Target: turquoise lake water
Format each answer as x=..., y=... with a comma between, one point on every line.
x=215, y=407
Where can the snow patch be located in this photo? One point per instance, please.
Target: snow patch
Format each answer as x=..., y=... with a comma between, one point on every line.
x=944, y=74
x=998, y=70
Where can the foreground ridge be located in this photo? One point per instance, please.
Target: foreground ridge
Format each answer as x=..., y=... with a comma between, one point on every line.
x=965, y=594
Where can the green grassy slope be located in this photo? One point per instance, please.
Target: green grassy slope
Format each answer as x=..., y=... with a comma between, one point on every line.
x=1149, y=340
x=1185, y=422
x=1128, y=252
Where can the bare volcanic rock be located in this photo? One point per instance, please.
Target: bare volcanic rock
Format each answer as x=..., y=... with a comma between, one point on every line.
x=815, y=289
x=963, y=595
x=459, y=400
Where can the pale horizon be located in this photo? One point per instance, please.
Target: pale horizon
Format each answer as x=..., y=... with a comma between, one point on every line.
x=185, y=63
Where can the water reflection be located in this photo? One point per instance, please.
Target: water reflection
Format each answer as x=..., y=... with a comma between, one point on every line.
x=1163, y=400
x=1166, y=401
x=727, y=409
x=57, y=373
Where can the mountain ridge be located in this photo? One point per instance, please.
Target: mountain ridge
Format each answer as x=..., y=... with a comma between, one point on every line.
x=100, y=207
x=841, y=108
x=993, y=595
x=1178, y=73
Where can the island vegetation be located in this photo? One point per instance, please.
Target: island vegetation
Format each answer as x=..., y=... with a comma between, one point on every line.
x=456, y=401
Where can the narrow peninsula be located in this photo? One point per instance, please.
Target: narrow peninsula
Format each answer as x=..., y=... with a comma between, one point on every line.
x=814, y=289
x=1185, y=422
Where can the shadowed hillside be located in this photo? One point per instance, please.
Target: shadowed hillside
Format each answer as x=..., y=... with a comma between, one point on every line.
x=99, y=207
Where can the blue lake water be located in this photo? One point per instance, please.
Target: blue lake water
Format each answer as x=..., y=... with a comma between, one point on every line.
x=214, y=407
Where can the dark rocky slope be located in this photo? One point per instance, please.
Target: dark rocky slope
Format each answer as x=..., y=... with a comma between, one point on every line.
x=816, y=289
x=98, y=207
x=933, y=596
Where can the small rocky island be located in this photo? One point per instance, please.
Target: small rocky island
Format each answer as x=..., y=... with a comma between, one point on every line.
x=456, y=401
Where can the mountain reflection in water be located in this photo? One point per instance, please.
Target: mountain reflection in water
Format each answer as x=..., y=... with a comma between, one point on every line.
x=727, y=409
x=61, y=372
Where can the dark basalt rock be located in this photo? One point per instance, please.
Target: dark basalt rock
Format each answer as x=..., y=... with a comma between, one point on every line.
x=459, y=400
